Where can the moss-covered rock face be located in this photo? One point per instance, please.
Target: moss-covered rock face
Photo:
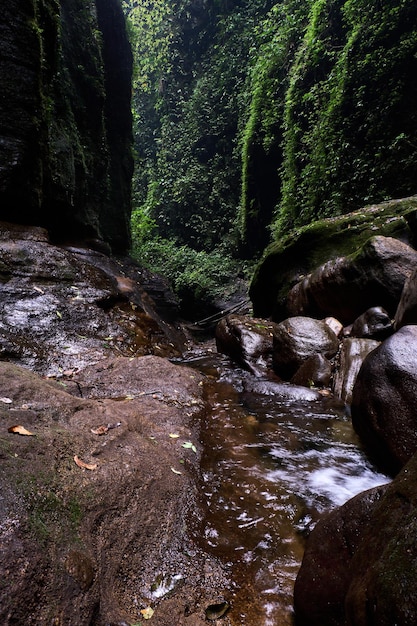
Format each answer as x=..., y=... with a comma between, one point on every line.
x=65, y=121
x=288, y=260
x=332, y=112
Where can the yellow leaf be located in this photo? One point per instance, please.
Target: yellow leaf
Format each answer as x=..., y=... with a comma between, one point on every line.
x=147, y=613
x=100, y=430
x=20, y=430
x=84, y=465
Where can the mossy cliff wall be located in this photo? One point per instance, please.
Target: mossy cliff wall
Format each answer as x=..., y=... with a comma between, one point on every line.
x=65, y=120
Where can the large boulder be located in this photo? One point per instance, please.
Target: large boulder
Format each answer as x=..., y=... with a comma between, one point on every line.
x=291, y=258
x=384, y=399
x=359, y=567
x=315, y=371
x=65, y=118
x=345, y=287
x=324, y=577
x=298, y=338
x=247, y=340
x=63, y=309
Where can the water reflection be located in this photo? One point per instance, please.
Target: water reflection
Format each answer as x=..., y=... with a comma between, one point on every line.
x=271, y=468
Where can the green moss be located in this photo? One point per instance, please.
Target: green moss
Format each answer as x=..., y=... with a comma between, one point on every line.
x=304, y=249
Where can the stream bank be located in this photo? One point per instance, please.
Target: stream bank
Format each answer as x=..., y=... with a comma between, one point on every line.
x=144, y=484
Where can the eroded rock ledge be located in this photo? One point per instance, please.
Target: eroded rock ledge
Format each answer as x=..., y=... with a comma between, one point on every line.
x=97, y=503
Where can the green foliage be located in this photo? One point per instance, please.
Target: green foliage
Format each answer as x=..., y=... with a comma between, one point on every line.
x=333, y=111
x=197, y=277
x=259, y=116
x=188, y=100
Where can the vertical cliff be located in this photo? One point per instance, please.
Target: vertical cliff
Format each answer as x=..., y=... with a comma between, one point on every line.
x=65, y=120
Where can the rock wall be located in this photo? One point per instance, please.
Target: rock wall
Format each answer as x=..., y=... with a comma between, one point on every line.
x=65, y=120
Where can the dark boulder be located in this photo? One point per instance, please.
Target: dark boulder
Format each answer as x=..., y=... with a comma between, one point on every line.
x=359, y=567
x=298, y=338
x=324, y=577
x=248, y=341
x=375, y=323
x=384, y=399
x=346, y=286
x=291, y=258
x=316, y=371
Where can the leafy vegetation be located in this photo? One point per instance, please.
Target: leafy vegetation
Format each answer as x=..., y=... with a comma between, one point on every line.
x=257, y=116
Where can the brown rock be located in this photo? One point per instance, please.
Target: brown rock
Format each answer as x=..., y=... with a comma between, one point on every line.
x=352, y=354
x=298, y=338
x=346, y=286
x=247, y=340
x=324, y=577
x=316, y=371
x=384, y=399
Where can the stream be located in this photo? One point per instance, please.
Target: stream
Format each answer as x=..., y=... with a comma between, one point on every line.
x=270, y=470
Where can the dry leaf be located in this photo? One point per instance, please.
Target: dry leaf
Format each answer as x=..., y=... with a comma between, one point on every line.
x=147, y=613
x=20, y=430
x=189, y=445
x=175, y=471
x=173, y=435
x=6, y=400
x=100, y=430
x=84, y=465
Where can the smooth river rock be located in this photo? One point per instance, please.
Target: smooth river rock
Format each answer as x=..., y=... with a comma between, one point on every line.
x=384, y=400
x=298, y=338
x=247, y=340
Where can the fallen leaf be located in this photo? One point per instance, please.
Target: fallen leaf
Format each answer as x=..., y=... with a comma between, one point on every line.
x=59, y=314
x=84, y=465
x=39, y=289
x=6, y=400
x=147, y=613
x=190, y=446
x=173, y=435
x=175, y=471
x=100, y=430
x=20, y=430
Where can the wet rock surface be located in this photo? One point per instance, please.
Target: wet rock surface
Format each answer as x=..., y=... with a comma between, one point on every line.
x=298, y=338
x=352, y=354
x=383, y=400
x=359, y=566
x=64, y=308
x=248, y=341
x=97, y=491
x=375, y=323
x=406, y=312
x=323, y=579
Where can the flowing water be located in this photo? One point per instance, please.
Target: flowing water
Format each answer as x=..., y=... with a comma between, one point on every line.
x=271, y=468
